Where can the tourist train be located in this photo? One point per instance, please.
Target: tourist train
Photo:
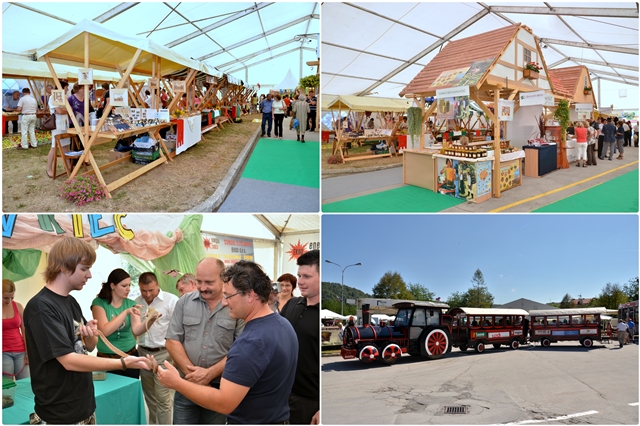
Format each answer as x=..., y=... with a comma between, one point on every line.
x=424, y=329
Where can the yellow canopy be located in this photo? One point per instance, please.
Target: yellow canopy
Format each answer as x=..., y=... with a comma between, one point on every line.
x=361, y=104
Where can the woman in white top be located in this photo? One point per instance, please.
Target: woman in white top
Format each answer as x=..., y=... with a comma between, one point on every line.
x=279, y=109
x=62, y=124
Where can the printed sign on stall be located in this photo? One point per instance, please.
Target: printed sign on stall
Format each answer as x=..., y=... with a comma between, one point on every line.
x=85, y=76
x=228, y=249
x=119, y=97
x=505, y=109
x=57, y=97
x=449, y=77
x=179, y=86
x=453, y=103
x=584, y=111
x=475, y=72
x=532, y=98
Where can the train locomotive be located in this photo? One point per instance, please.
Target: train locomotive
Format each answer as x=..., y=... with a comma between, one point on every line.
x=424, y=329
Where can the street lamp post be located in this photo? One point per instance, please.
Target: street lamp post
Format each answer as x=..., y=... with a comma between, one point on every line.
x=343, y=269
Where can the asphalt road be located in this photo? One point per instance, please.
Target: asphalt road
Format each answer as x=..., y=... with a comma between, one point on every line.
x=563, y=384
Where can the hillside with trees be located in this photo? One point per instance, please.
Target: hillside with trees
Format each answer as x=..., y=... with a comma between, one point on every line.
x=332, y=292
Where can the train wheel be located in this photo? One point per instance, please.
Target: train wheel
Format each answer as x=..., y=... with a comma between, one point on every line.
x=390, y=354
x=480, y=347
x=496, y=345
x=435, y=344
x=546, y=343
x=587, y=342
x=368, y=354
x=463, y=348
x=515, y=344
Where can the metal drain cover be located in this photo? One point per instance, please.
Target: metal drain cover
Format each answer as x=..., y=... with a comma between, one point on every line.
x=456, y=409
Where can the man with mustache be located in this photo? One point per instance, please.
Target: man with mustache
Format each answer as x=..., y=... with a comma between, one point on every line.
x=199, y=337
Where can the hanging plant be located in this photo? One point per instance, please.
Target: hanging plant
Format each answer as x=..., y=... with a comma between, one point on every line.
x=562, y=115
x=414, y=122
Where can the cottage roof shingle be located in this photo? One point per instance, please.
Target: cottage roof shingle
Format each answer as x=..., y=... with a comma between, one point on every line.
x=565, y=80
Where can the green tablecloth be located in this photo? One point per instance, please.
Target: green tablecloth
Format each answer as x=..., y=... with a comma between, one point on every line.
x=119, y=401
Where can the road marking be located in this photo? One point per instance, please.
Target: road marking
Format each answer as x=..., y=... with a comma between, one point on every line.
x=635, y=403
x=526, y=200
x=568, y=416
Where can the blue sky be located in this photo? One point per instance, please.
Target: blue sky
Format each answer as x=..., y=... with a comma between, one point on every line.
x=538, y=257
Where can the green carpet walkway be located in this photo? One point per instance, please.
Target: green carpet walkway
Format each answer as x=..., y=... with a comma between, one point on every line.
x=285, y=161
x=409, y=199
x=616, y=195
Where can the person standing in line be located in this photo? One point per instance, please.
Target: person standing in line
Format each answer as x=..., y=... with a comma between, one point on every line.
x=620, y=139
x=609, y=132
x=581, y=143
x=304, y=315
x=601, y=123
x=266, y=106
x=631, y=325
x=200, y=335
x=592, y=141
x=258, y=374
x=279, y=109
x=287, y=102
x=58, y=338
x=28, y=107
x=159, y=399
x=15, y=362
x=622, y=332
x=186, y=284
x=627, y=132
x=301, y=113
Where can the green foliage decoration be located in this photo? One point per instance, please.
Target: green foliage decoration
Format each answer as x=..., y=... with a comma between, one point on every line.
x=562, y=115
x=310, y=81
x=414, y=122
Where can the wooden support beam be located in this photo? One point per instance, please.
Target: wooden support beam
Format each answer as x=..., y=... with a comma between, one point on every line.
x=495, y=179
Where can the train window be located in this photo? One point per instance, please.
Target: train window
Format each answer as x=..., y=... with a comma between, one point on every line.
x=538, y=321
x=519, y=320
x=551, y=321
x=563, y=320
x=463, y=321
x=419, y=318
x=402, y=318
x=487, y=321
x=577, y=319
x=475, y=321
x=590, y=319
x=499, y=320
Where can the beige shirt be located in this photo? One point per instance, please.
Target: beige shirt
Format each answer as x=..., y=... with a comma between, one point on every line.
x=28, y=104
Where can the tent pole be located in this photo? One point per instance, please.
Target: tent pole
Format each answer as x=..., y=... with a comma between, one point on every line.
x=86, y=92
x=496, y=143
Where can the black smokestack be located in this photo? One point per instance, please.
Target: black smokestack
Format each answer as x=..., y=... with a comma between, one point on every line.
x=366, y=316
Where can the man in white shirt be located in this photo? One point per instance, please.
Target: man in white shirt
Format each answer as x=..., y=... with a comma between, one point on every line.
x=159, y=399
x=622, y=332
x=28, y=106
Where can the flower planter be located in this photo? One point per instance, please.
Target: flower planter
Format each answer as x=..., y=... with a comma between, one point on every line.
x=586, y=92
x=530, y=74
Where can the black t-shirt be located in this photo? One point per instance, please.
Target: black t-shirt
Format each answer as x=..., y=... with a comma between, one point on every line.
x=61, y=396
x=306, y=322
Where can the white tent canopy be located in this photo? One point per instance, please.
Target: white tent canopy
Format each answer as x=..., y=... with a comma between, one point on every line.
x=390, y=44
x=254, y=42
x=327, y=314
x=288, y=83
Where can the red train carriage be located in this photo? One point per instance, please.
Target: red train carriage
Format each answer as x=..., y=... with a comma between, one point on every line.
x=560, y=325
x=421, y=328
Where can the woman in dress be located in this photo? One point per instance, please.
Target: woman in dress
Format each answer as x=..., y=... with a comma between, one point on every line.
x=118, y=319
x=301, y=112
x=15, y=362
x=287, y=284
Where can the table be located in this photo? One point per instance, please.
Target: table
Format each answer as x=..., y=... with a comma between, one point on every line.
x=119, y=400
x=340, y=144
x=13, y=116
x=540, y=160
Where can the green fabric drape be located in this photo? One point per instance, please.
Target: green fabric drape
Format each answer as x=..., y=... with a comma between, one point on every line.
x=184, y=256
x=20, y=264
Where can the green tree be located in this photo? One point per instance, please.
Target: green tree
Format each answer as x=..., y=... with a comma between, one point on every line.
x=421, y=292
x=458, y=300
x=631, y=289
x=392, y=286
x=479, y=296
x=566, y=301
x=611, y=296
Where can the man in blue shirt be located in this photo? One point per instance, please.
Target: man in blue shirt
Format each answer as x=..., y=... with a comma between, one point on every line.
x=609, y=131
x=631, y=326
x=10, y=104
x=266, y=106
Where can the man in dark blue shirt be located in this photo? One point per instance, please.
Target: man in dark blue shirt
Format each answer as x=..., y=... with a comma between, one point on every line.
x=266, y=106
x=609, y=131
x=258, y=374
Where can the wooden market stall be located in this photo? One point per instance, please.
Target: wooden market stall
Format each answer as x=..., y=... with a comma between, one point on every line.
x=91, y=46
x=492, y=67
x=351, y=129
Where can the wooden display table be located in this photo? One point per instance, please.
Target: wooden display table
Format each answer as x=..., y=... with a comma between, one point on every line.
x=13, y=116
x=469, y=179
x=418, y=167
x=103, y=137
x=341, y=144
x=540, y=160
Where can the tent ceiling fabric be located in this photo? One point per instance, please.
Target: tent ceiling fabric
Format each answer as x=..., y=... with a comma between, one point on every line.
x=286, y=224
x=214, y=33
x=394, y=38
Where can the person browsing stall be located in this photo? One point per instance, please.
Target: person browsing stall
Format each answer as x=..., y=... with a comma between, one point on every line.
x=159, y=399
x=58, y=338
x=62, y=124
x=15, y=362
x=199, y=337
x=118, y=319
x=10, y=104
x=266, y=106
x=258, y=374
x=76, y=100
x=304, y=315
x=28, y=107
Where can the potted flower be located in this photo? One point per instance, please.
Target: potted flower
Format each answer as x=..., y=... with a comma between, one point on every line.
x=587, y=90
x=532, y=70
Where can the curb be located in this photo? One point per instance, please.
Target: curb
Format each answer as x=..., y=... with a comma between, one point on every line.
x=327, y=173
x=212, y=203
